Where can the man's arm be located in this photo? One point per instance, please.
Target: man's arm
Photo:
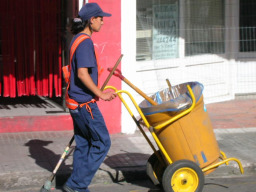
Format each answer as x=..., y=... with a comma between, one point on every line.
x=86, y=79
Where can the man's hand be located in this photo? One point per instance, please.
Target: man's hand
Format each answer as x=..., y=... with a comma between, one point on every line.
x=84, y=76
x=108, y=96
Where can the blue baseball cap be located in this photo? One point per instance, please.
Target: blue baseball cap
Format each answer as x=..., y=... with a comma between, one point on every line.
x=90, y=10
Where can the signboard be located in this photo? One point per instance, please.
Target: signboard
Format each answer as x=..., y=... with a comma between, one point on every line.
x=165, y=31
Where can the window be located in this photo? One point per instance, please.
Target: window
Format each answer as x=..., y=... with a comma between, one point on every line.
x=144, y=30
x=158, y=28
x=204, y=27
x=247, y=26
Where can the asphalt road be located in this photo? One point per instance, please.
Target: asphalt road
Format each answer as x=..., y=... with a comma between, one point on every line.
x=237, y=184
x=228, y=184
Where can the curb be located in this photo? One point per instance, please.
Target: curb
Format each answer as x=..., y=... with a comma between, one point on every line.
x=22, y=181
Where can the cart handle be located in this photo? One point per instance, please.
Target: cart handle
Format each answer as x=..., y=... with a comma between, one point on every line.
x=119, y=93
x=225, y=161
x=158, y=127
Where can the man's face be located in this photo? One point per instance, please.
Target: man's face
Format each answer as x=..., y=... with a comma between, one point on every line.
x=96, y=23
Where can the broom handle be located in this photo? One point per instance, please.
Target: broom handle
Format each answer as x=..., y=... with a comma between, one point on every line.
x=111, y=73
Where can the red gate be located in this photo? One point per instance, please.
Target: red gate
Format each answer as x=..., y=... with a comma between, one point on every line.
x=31, y=48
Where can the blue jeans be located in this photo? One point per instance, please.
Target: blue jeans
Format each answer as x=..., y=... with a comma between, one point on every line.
x=92, y=145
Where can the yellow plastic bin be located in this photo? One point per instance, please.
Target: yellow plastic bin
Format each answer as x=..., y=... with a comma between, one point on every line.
x=191, y=137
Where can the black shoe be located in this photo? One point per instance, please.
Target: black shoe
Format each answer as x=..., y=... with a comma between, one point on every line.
x=68, y=189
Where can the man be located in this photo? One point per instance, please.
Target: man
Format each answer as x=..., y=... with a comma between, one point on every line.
x=91, y=134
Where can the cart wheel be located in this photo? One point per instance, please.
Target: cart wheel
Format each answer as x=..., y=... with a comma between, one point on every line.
x=155, y=169
x=183, y=176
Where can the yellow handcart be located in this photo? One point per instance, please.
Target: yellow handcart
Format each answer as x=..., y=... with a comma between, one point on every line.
x=187, y=147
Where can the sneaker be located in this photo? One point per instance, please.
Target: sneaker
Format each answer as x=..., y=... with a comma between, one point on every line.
x=68, y=189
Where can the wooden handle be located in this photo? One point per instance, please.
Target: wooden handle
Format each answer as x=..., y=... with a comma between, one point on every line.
x=139, y=91
x=169, y=84
x=111, y=73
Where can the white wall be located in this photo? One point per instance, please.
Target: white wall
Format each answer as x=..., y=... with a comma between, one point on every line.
x=246, y=76
x=244, y=73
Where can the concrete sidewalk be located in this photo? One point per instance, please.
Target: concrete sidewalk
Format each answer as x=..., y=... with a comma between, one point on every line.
x=27, y=159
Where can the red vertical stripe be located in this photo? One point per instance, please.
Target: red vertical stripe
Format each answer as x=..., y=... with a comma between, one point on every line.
x=59, y=88
x=6, y=51
x=2, y=8
x=55, y=47
x=19, y=51
x=1, y=64
x=45, y=55
x=41, y=48
x=7, y=59
x=37, y=44
x=26, y=47
x=31, y=41
x=12, y=58
x=51, y=36
x=17, y=34
x=43, y=23
x=59, y=56
x=55, y=57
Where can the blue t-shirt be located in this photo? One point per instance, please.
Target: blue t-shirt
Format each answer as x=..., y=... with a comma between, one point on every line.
x=84, y=57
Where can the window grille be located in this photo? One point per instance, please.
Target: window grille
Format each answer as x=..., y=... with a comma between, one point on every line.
x=204, y=27
x=247, y=26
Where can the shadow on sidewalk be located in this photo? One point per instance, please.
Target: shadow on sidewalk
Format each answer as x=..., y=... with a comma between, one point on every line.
x=48, y=160
x=24, y=102
x=132, y=167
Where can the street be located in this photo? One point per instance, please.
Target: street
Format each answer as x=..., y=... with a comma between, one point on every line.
x=228, y=184
x=238, y=184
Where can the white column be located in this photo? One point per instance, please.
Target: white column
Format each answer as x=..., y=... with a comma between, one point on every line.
x=128, y=49
x=232, y=41
x=82, y=2
x=181, y=29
